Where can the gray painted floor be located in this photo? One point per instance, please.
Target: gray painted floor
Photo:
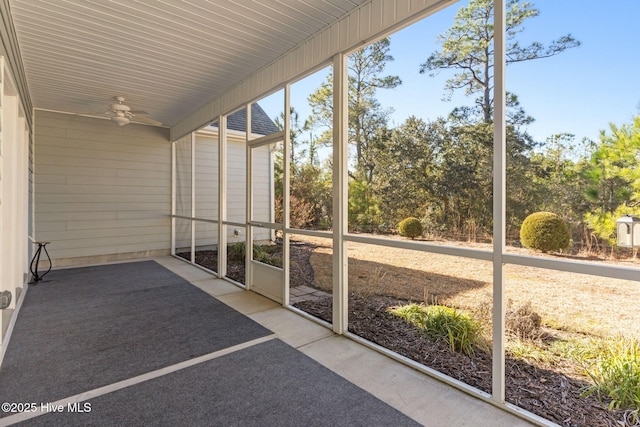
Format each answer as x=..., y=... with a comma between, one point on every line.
x=136, y=344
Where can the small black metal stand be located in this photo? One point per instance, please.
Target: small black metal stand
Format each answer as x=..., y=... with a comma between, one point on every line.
x=36, y=260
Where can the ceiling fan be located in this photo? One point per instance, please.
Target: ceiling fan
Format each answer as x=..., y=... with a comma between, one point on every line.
x=122, y=114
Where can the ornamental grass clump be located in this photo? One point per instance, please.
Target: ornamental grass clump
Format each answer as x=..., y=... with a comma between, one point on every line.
x=616, y=375
x=545, y=232
x=523, y=322
x=462, y=332
x=410, y=227
x=262, y=253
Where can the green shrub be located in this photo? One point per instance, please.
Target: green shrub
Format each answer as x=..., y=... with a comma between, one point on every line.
x=462, y=332
x=410, y=227
x=545, y=231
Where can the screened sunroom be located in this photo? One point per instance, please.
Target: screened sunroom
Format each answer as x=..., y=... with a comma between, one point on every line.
x=201, y=237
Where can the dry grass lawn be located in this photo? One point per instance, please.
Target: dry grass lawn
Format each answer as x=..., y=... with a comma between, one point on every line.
x=566, y=301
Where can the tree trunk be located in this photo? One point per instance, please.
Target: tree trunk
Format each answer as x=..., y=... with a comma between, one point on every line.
x=486, y=96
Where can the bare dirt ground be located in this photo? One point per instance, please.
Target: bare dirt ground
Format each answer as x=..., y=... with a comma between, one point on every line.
x=567, y=301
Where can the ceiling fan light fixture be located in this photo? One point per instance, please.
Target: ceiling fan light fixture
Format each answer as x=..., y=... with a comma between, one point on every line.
x=123, y=115
x=120, y=120
x=120, y=107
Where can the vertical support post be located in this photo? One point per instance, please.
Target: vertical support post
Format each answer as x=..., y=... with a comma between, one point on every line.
x=173, y=197
x=193, y=196
x=248, y=276
x=32, y=204
x=222, y=196
x=4, y=246
x=286, y=154
x=499, y=203
x=23, y=182
x=340, y=193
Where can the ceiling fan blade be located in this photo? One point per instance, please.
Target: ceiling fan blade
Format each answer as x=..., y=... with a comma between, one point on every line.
x=147, y=120
x=94, y=113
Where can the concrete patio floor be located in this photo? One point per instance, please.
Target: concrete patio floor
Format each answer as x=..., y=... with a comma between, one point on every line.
x=416, y=395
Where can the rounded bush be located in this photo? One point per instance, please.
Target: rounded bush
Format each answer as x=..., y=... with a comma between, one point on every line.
x=410, y=227
x=546, y=232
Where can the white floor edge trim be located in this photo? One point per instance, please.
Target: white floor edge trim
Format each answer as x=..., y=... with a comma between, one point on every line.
x=48, y=407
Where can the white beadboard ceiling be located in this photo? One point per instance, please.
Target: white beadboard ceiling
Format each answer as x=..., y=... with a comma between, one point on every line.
x=167, y=57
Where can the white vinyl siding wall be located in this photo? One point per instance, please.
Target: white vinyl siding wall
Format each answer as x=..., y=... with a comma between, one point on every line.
x=236, y=180
x=206, y=189
x=263, y=193
x=101, y=190
x=206, y=178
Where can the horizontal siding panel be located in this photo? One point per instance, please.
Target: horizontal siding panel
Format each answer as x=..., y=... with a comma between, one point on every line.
x=63, y=253
x=102, y=198
x=206, y=182
x=119, y=224
x=235, y=201
x=109, y=144
x=43, y=218
x=109, y=236
x=147, y=246
x=103, y=207
x=86, y=189
x=124, y=182
x=206, y=198
x=136, y=215
x=52, y=226
x=93, y=136
x=51, y=131
x=104, y=249
x=45, y=171
x=105, y=154
x=67, y=161
x=206, y=204
x=160, y=175
x=48, y=120
x=53, y=181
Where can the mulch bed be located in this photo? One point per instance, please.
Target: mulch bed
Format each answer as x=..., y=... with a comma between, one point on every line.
x=301, y=272
x=544, y=392
x=541, y=389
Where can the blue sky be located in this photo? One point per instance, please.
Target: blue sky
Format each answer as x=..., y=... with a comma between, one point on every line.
x=579, y=91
